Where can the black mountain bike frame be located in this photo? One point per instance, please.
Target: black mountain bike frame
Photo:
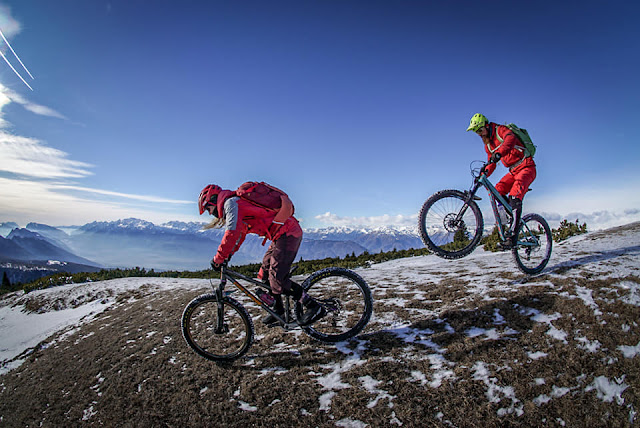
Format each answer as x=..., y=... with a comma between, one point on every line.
x=287, y=321
x=483, y=181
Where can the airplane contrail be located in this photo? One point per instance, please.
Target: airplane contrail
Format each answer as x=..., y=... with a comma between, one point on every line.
x=14, y=70
x=15, y=54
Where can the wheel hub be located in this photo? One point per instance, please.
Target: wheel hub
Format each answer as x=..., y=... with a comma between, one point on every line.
x=451, y=224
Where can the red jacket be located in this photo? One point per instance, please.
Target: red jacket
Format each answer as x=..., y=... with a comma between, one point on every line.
x=242, y=217
x=511, y=149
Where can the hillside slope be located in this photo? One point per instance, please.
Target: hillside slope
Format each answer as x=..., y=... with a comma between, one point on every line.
x=470, y=342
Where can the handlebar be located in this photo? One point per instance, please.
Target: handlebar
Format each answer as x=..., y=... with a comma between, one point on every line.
x=477, y=171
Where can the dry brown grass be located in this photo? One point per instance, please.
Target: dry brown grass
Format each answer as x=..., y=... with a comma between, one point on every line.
x=131, y=367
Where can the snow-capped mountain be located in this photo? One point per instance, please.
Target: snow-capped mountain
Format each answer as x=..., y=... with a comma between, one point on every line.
x=7, y=227
x=26, y=255
x=38, y=247
x=373, y=240
x=186, y=246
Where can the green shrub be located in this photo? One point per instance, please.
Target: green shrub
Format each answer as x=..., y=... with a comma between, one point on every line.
x=567, y=230
x=490, y=242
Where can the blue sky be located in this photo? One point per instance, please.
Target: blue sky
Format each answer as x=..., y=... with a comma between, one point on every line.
x=357, y=109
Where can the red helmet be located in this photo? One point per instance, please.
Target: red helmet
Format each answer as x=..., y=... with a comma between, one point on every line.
x=209, y=195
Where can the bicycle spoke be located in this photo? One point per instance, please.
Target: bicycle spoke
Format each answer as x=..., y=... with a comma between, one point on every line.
x=348, y=302
x=534, y=244
x=200, y=328
x=444, y=231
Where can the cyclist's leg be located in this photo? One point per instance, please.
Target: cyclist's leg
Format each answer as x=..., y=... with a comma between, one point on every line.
x=282, y=257
x=284, y=252
x=505, y=184
x=276, y=265
x=522, y=180
x=263, y=274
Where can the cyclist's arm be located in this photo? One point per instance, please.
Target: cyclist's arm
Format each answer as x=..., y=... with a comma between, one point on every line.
x=233, y=234
x=509, y=142
x=490, y=167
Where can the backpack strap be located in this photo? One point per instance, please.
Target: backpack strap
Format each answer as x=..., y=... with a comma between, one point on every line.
x=517, y=164
x=521, y=148
x=495, y=129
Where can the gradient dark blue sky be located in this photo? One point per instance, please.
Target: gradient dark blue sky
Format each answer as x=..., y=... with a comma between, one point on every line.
x=357, y=108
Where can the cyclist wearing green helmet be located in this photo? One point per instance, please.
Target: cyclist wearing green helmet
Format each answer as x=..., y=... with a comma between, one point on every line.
x=477, y=121
x=501, y=143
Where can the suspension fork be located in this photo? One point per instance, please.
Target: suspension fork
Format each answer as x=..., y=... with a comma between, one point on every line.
x=219, y=292
x=471, y=195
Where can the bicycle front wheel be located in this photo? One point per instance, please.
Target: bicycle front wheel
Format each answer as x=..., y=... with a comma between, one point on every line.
x=217, y=332
x=347, y=299
x=444, y=231
x=534, y=244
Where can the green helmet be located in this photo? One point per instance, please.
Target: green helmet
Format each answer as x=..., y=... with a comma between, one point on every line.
x=477, y=121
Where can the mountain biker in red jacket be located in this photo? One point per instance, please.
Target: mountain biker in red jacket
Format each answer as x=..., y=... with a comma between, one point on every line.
x=240, y=217
x=501, y=143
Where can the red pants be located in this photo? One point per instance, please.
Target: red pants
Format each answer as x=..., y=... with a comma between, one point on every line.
x=516, y=184
x=277, y=262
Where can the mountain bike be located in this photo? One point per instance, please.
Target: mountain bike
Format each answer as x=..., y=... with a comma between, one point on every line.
x=451, y=225
x=219, y=328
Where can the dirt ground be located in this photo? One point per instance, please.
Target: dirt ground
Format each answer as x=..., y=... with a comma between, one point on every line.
x=130, y=366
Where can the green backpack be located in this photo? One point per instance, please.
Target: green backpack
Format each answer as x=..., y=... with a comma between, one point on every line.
x=523, y=135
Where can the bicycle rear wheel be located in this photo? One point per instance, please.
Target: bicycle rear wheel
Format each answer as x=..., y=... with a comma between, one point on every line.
x=347, y=299
x=201, y=332
x=441, y=230
x=534, y=244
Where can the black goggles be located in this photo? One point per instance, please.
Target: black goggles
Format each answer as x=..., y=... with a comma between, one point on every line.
x=213, y=202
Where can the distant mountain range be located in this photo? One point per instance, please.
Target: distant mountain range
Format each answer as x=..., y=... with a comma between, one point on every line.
x=174, y=245
x=26, y=255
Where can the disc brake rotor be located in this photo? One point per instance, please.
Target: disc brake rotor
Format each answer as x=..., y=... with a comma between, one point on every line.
x=451, y=224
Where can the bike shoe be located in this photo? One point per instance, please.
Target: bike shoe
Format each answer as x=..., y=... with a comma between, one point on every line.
x=505, y=245
x=314, y=311
x=509, y=243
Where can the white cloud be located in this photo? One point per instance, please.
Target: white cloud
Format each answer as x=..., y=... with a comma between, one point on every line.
x=25, y=201
x=620, y=196
x=601, y=205
x=145, y=198
x=30, y=157
x=7, y=95
x=595, y=220
x=39, y=183
x=10, y=27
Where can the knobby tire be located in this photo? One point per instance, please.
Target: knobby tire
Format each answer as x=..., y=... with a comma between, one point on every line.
x=199, y=322
x=348, y=300
x=533, y=259
x=441, y=234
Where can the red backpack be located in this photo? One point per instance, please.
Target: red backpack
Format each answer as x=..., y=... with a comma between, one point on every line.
x=262, y=195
